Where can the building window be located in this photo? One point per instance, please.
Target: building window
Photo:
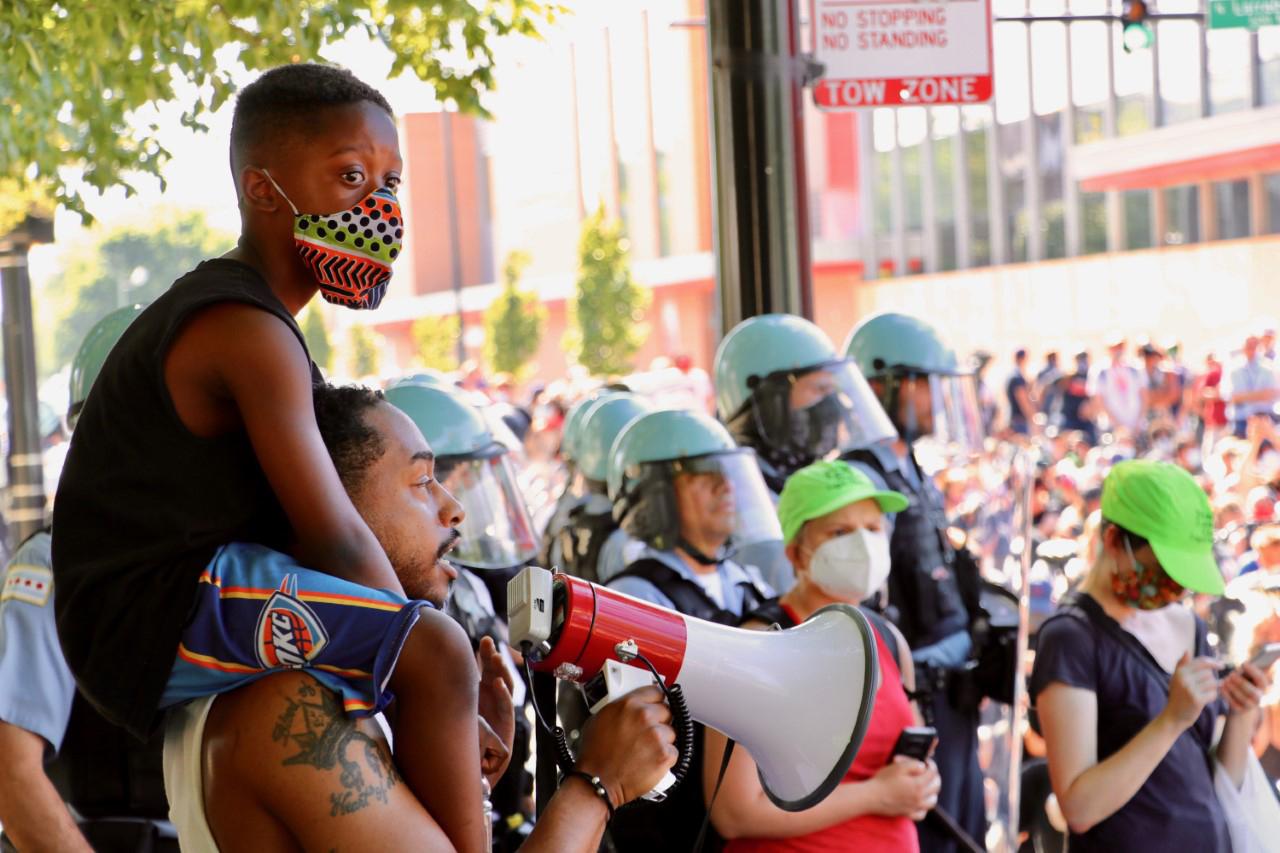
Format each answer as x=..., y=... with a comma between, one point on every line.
x=976, y=152
x=1271, y=186
x=1231, y=209
x=1137, y=219
x=1093, y=223
x=1182, y=215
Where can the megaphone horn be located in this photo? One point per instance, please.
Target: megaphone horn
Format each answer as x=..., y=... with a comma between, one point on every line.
x=798, y=700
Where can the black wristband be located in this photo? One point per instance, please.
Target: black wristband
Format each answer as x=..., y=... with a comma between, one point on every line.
x=596, y=785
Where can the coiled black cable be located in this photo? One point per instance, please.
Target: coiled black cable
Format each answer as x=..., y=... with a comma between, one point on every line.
x=681, y=721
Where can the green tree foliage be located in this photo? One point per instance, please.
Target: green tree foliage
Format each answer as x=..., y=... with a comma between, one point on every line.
x=437, y=340
x=364, y=352
x=606, y=313
x=127, y=264
x=513, y=323
x=316, y=334
x=73, y=72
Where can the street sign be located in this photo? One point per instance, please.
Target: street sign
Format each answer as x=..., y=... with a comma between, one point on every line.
x=1250, y=14
x=899, y=52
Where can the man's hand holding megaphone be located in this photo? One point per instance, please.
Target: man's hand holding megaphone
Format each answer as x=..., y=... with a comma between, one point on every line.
x=630, y=744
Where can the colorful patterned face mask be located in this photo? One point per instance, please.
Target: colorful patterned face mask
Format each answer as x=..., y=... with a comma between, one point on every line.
x=350, y=252
x=1146, y=588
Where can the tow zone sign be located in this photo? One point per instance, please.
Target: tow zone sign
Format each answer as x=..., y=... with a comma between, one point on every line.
x=899, y=52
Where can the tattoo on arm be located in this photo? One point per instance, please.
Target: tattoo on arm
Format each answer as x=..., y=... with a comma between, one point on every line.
x=313, y=722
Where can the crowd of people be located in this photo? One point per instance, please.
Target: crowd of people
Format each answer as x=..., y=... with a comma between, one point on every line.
x=279, y=610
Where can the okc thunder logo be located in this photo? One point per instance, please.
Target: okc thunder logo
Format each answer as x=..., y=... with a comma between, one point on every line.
x=289, y=633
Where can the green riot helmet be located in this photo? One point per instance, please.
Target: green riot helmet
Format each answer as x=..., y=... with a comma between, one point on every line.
x=426, y=376
x=600, y=426
x=476, y=469
x=572, y=431
x=919, y=380
x=91, y=355
x=656, y=448
x=784, y=390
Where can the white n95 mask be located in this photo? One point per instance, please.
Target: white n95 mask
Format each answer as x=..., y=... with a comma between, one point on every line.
x=853, y=566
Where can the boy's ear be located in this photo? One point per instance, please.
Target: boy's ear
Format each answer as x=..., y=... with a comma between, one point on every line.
x=257, y=192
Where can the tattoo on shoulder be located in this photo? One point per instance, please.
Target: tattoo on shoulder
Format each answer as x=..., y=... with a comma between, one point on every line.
x=314, y=724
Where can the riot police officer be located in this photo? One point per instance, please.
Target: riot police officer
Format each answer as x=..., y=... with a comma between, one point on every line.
x=927, y=395
x=111, y=784
x=784, y=391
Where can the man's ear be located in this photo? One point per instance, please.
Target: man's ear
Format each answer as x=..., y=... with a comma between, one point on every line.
x=257, y=191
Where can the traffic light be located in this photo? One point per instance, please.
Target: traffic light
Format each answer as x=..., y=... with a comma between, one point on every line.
x=1137, y=33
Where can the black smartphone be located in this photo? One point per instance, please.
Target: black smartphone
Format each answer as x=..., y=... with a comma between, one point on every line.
x=916, y=742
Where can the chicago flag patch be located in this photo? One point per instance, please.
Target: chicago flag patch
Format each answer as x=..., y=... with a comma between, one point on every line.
x=32, y=584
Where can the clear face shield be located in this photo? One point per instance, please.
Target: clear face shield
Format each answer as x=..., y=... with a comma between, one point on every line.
x=747, y=499
x=940, y=416
x=497, y=532
x=821, y=409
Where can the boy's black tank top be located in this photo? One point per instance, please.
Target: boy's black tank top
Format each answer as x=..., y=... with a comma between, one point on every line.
x=143, y=503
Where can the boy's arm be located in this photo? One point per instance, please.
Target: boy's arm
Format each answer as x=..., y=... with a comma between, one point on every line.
x=264, y=370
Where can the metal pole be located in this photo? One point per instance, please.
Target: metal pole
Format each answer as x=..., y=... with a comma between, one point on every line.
x=652, y=152
x=1114, y=201
x=997, y=230
x=614, y=199
x=1031, y=164
x=1070, y=189
x=929, y=197
x=26, y=464
x=898, y=203
x=867, y=194
x=761, y=223
x=577, y=132
x=455, y=239
x=964, y=206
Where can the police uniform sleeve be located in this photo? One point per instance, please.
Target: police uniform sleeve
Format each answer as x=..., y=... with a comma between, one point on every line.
x=36, y=687
x=1065, y=653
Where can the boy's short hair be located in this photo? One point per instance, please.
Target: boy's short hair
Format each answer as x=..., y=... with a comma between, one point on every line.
x=352, y=443
x=285, y=101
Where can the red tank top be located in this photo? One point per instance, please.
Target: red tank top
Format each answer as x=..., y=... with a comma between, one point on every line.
x=868, y=833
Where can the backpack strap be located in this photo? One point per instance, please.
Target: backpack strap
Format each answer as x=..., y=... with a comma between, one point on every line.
x=881, y=625
x=1080, y=605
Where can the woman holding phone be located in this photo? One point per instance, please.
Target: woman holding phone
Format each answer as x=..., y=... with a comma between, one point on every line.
x=834, y=528
x=1126, y=693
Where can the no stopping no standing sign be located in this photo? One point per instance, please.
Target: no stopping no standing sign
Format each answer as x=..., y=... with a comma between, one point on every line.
x=899, y=52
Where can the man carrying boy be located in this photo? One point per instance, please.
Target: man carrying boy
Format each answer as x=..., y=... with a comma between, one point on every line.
x=197, y=458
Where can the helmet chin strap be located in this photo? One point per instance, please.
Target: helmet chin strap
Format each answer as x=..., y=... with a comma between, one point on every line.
x=701, y=558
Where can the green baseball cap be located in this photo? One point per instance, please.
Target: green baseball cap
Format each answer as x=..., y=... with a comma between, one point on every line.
x=1164, y=505
x=824, y=487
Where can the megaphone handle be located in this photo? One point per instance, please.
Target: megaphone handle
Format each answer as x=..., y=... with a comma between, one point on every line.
x=659, y=791
x=619, y=680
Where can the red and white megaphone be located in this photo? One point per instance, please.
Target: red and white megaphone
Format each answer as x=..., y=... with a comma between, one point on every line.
x=798, y=700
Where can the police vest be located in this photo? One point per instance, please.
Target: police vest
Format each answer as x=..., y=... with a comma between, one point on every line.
x=581, y=541
x=688, y=597
x=922, y=583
